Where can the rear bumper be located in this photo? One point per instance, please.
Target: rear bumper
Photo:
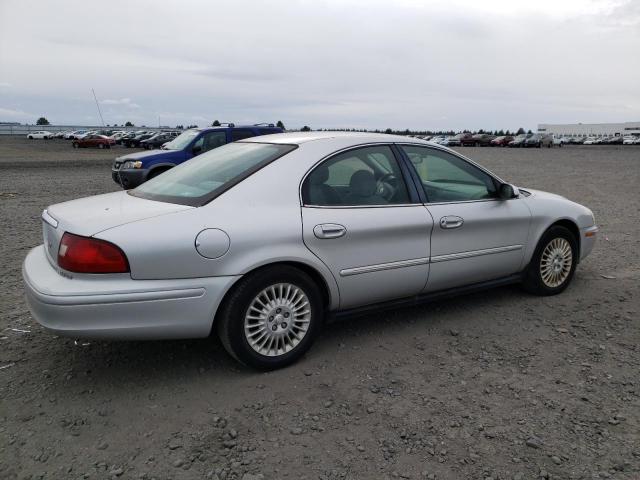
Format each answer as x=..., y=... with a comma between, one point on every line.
x=118, y=307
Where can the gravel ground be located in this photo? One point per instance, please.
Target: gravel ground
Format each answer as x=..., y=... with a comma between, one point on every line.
x=498, y=385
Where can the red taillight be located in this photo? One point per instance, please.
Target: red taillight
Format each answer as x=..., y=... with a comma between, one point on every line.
x=90, y=255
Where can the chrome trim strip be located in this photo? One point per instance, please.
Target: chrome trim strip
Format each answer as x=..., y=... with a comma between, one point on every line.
x=474, y=253
x=365, y=206
x=425, y=260
x=49, y=219
x=384, y=266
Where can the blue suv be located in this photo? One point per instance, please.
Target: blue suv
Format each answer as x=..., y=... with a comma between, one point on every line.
x=131, y=170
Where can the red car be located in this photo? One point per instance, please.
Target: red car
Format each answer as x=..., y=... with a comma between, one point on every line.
x=99, y=141
x=502, y=141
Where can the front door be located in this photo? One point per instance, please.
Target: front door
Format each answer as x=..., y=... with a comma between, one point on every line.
x=476, y=236
x=363, y=222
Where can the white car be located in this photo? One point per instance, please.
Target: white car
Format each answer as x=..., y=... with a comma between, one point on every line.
x=75, y=134
x=631, y=140
x=590, y=141
x=43, y=134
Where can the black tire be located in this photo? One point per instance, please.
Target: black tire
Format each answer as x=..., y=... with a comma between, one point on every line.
x=532, y=280
x=230, y=316
x=74, y=145
x=30, y=137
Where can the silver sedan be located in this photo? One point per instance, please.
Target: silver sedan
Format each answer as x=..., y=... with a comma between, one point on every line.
x=260, y=240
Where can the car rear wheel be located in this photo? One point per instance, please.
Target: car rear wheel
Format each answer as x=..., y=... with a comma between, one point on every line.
x=553, y=263
x=101, y=145
x=74, y=145
x=271, y=318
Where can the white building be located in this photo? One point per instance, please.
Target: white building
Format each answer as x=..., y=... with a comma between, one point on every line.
x=590, y=129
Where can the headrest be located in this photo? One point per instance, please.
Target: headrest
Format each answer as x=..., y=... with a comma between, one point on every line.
x=319, y=175
x=362, y=183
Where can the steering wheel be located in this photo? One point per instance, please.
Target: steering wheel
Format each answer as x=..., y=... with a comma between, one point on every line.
x=387, y=186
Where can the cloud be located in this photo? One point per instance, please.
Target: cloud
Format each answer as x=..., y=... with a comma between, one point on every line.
x=122, y=101
x=12, y=114
x=365, y=63
x=5, y=85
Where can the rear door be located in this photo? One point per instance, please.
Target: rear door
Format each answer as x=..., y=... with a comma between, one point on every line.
x=366, y=223
x=476, y=236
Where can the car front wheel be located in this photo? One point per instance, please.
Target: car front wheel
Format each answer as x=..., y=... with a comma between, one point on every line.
x=553, y=264
x=271, y=317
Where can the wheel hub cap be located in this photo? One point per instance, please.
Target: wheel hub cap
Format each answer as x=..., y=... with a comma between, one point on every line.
x=277, y=319
x=556, y=262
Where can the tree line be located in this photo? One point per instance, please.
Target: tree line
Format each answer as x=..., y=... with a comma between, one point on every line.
x=306, y=128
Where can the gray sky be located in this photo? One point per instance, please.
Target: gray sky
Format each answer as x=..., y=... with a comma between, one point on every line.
x=325, y=63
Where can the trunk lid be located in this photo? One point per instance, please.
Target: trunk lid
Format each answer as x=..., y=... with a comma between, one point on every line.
x=91, y=215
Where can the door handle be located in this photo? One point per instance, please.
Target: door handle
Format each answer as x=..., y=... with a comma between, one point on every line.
x=451, y=221
x=329, y=230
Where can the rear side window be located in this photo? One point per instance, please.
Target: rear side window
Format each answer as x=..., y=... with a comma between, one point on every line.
x=359, y=177
x=241, y=134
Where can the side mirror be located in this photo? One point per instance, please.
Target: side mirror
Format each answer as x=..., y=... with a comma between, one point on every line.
x=508, y=191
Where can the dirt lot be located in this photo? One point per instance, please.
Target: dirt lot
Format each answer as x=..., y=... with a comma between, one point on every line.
x=498, y=385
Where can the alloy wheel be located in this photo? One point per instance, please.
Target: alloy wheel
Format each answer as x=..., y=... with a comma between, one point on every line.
x=277, y=319
x=556, y=262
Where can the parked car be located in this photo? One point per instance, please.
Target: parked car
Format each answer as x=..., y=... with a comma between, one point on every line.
x=156, y=141
x=93, y=141
x=467, y=140
x=501, y=141
x=481, y=140
x=631, y=140
x=538, y=141
x=195, y=252
x=616, y=140
x=131, y=170
x=40, y=135
x=590, y=141
x=75, y=134
x=61, y=134
x=117, y=136
x=519, y=140
x=577, y=140
x=134, y=142
x=456, y=140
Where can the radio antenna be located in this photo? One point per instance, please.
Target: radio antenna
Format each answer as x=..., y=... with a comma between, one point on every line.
x=98, y=105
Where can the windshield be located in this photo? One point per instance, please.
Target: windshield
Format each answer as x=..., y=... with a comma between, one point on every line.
x=182, y=140
x=201, y=179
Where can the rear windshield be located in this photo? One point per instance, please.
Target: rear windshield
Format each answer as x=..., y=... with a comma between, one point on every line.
x=201, y=179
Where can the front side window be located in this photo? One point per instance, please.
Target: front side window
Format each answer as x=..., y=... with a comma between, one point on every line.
x=447, y=178
x=206, y=176
x=359, y=177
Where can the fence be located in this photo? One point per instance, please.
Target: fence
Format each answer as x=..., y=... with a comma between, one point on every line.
x=9, y=129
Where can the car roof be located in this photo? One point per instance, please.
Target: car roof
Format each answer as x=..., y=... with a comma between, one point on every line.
x=298, y=138
x=234, y=127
